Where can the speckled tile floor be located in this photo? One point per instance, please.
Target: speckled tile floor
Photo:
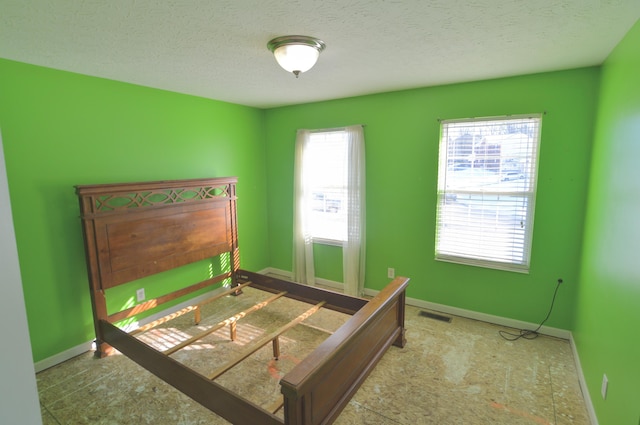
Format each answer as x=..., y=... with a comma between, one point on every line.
x=460, y=372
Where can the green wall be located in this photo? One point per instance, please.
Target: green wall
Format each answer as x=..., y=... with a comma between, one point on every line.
x=401, y=132
x=62, y=129
x=608, y=312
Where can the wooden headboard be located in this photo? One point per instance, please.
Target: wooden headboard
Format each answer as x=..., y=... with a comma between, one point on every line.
x=134, y=230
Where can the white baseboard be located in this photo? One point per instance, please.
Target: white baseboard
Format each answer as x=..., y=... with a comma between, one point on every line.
x=583, y=384
x=63, y=356
x=489, y=318
x=279, y=272
x=497, y=320
x=288, y=275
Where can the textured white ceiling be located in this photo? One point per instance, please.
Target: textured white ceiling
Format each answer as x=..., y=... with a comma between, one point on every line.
x=217, y=49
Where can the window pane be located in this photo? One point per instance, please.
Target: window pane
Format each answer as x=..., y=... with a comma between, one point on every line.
x=326, y=184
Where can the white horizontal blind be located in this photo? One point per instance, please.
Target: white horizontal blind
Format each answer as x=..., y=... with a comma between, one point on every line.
x=325, y=184
x=487, y=176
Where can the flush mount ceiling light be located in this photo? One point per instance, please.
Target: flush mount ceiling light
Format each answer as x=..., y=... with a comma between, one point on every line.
x=296, y=53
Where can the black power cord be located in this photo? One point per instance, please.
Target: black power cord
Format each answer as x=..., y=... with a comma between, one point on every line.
x=528, y=334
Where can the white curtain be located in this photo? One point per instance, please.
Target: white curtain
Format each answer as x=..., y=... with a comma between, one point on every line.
x=303, y=269
x=353, y=251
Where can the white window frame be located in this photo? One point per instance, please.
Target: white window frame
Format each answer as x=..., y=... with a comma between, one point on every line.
x=486, y=218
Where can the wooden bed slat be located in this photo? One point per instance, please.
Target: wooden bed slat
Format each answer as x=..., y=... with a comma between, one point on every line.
x=231, y=320
x=186, y=310
x=255, y=346
x=276, y=405
x=163, y=319
x=148, y=305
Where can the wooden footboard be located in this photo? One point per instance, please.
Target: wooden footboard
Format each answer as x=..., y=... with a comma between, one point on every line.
x=319, y=388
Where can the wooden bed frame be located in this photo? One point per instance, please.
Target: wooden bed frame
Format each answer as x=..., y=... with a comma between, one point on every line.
x=134, y=230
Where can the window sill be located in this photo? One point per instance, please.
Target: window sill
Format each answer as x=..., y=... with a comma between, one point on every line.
x=331, y=242
x=508, y=267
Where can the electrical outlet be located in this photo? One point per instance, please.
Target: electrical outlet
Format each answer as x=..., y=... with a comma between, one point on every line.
x=605, y=384
x=391, y=272
x=140, y=294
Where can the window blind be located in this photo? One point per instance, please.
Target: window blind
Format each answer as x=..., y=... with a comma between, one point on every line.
x=487, y=177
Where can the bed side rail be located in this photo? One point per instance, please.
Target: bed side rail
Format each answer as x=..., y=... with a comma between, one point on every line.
x=309, y=294
x=214, y=397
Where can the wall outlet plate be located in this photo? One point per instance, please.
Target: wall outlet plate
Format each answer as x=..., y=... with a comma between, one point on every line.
x=391, y=272
x=605, y=384
x=140, y=294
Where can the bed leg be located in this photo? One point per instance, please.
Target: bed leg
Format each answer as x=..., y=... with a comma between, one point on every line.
x=232, y=331
x=276, y=347
x=233, y=285
x=103, y=350
x=401, y=340
x=197, y=315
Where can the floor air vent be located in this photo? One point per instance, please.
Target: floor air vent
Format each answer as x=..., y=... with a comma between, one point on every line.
x=436, y=316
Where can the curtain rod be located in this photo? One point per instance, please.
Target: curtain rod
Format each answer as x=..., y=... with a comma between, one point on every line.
x=322, y=130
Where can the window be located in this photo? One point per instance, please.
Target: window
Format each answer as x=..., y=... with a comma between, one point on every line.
x=486, y=191
x=325, y=182
x=329, y=202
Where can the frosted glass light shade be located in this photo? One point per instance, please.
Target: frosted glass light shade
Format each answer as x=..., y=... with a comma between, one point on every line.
x=296, y=57
x=296, y=53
